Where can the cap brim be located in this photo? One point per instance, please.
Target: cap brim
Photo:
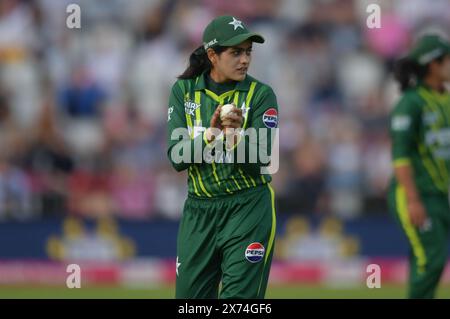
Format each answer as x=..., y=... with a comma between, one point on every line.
x=427, y=57
x=243, y=37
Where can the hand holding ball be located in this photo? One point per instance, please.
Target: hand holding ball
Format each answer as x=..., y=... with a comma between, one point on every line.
x=227, y=108
x=231, y=121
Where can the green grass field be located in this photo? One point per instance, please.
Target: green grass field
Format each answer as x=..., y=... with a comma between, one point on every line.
x=273, y=292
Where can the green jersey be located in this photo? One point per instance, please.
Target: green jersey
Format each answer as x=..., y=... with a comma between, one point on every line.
x=420, y=134
x=191, y=105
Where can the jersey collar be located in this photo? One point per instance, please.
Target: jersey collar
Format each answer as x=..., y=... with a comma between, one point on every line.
x=422, y=83
x=200, y=83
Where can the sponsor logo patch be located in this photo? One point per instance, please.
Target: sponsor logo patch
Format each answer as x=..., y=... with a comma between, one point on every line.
x=190, y=107
x=254, y=252
x=401, y=122
x=270, y=118
x=210, y=44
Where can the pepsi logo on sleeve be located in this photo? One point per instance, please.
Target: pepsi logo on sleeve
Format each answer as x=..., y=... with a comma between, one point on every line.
x=254, y=252
x=270, y=118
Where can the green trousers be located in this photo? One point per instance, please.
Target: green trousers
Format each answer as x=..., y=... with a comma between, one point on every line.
x=428, y=244
x=227, y=242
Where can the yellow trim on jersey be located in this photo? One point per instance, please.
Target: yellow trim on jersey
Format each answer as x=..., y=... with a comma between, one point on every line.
x=236, y=98
x=252, y=180
x=193, y=181
x=216, y=177
x=402, y=162
x=444, y=99
x=431, y=170
x=198, y=116
x=243, y=177
x=429, y=98
x=272, y=234
x=274, y=223
x=219, y=98
x=410, y=230
x=433, y=105
x=189, y=120
x=215, y=173
x=235, y=181
x=190, y=126
x=248, y=100
x=201, y=182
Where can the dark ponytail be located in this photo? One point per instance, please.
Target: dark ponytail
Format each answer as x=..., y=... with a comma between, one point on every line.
x=408, y=72
x=199, y=62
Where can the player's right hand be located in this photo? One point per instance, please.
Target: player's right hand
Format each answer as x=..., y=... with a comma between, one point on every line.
x=417, y=213
x=215, y=125
x=215, y=119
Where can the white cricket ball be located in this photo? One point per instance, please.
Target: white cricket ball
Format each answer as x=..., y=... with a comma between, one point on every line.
x=225, y=110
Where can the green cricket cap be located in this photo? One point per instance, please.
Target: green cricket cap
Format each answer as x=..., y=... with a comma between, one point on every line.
x=227, y=31
x=428, y=48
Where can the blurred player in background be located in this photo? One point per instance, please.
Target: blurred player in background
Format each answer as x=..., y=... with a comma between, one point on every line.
x=227, y=230
x=420, y=132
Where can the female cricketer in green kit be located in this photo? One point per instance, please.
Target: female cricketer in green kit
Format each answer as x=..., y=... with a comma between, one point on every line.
x=420, y=133
x=227, y=231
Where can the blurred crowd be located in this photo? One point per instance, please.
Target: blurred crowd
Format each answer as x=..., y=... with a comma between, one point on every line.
x=83, y=112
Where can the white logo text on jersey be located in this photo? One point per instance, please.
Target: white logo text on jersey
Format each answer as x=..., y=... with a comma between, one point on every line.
x=190, y=107
x=169, y=111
